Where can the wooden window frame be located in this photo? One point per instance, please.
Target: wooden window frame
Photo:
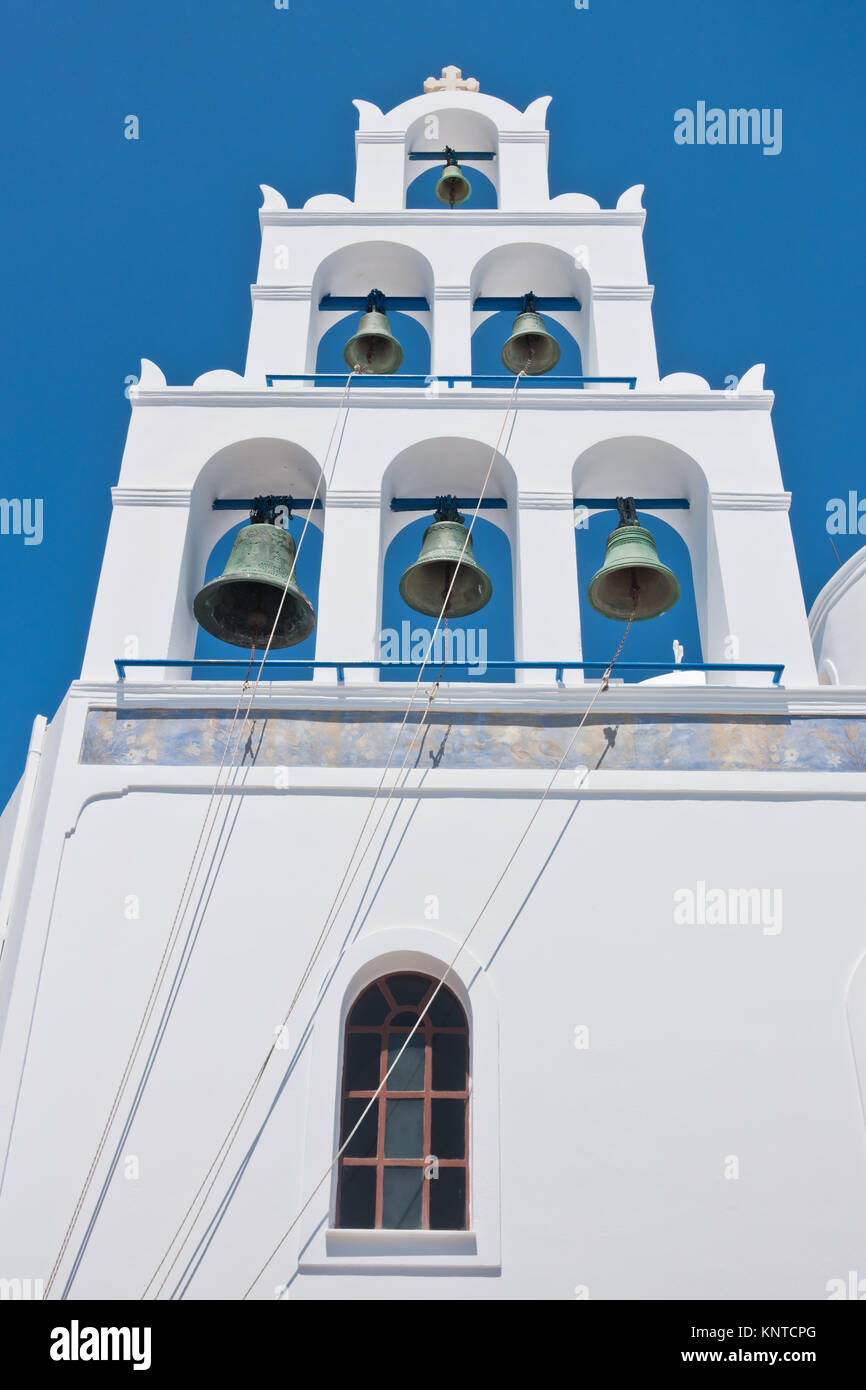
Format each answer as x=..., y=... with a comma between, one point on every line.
x=380, y=1162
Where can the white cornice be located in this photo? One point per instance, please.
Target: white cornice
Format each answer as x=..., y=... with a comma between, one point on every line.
x=380, y=137
x=750, y=501
x=852, y=572
x=600, y=784
x=640, y=292
x=452, y=292
x=525, y=137
x=150, y=497
x=545, y=501
x=769, y=700
x=354, y=499
x=431, y=217
x=409, y=398
x=302, y=292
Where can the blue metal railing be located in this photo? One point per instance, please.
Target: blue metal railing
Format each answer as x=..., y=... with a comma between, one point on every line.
x=428, y=378
x=197, y=663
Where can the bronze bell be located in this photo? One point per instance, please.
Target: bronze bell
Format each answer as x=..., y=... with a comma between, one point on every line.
x=453, y=187
x=425, y=584
x=530, y=349
x=240, y=607
x=374, y=347
x=632, y=569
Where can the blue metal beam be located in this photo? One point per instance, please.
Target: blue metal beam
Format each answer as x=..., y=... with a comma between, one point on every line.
x=515, y=303
x=429, y=504
x=360, y=301
x=426, y=379
x=121, y=665
x=655, y=504
x=245, y=504
x=440, y=156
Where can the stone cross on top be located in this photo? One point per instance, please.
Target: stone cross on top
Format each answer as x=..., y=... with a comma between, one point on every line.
x=452, y=80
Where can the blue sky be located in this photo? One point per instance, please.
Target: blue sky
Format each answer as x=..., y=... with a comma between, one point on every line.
x=117, y=249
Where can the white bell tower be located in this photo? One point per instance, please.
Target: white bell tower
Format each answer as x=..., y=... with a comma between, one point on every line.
x=655, y=970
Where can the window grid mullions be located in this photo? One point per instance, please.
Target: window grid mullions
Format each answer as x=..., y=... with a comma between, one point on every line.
x=380, y=1162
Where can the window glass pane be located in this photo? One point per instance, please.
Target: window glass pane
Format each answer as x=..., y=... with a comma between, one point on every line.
x=404, y=1020
x=449, y=1062
x=447, y=1130
x=363, y=1143
x=357, y=1197
x=362, y=1061
x=408, y=1075
x=404, y=1129
x=445, y=1011
x=448, y=1200
x=371, y=1008
x=401, y=1196
x=408, y=989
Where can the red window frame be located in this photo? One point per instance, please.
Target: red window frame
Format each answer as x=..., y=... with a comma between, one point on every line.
x=380, y=1162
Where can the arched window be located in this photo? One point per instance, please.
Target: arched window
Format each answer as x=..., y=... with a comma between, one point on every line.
x=407, y=1166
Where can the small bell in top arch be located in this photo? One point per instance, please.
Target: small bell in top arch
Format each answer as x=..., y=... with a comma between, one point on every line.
x=453, y=187
x=632, y=572
x=374, y=348
x=530, y=349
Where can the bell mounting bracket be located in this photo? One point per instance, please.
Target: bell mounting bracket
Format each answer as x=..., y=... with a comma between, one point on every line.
x=376, y=300
x=447, y=510
x=264, y=509
x=627, y=513
x=529, y=303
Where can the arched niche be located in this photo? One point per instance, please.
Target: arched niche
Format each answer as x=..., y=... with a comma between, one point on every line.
x=353, y=271
x=641, y=466
x=461, y=129
x=512, y=271
x=453, y=466
x=244, y=469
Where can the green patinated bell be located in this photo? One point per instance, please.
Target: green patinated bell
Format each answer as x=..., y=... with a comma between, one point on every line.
x=374, y=347
x=631, y=559
x=453, y=187
x=425, y=584
x=240, y=607
x=530, y=348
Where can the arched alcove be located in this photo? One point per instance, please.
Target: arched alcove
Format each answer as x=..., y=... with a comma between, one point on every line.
x=307, y=570
x=512, y=271
x=454, y=466
x=654, y=639
x=409, y=331
x=247, y=468
x=463, y=130
x=352, y=272
x=644, y=467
